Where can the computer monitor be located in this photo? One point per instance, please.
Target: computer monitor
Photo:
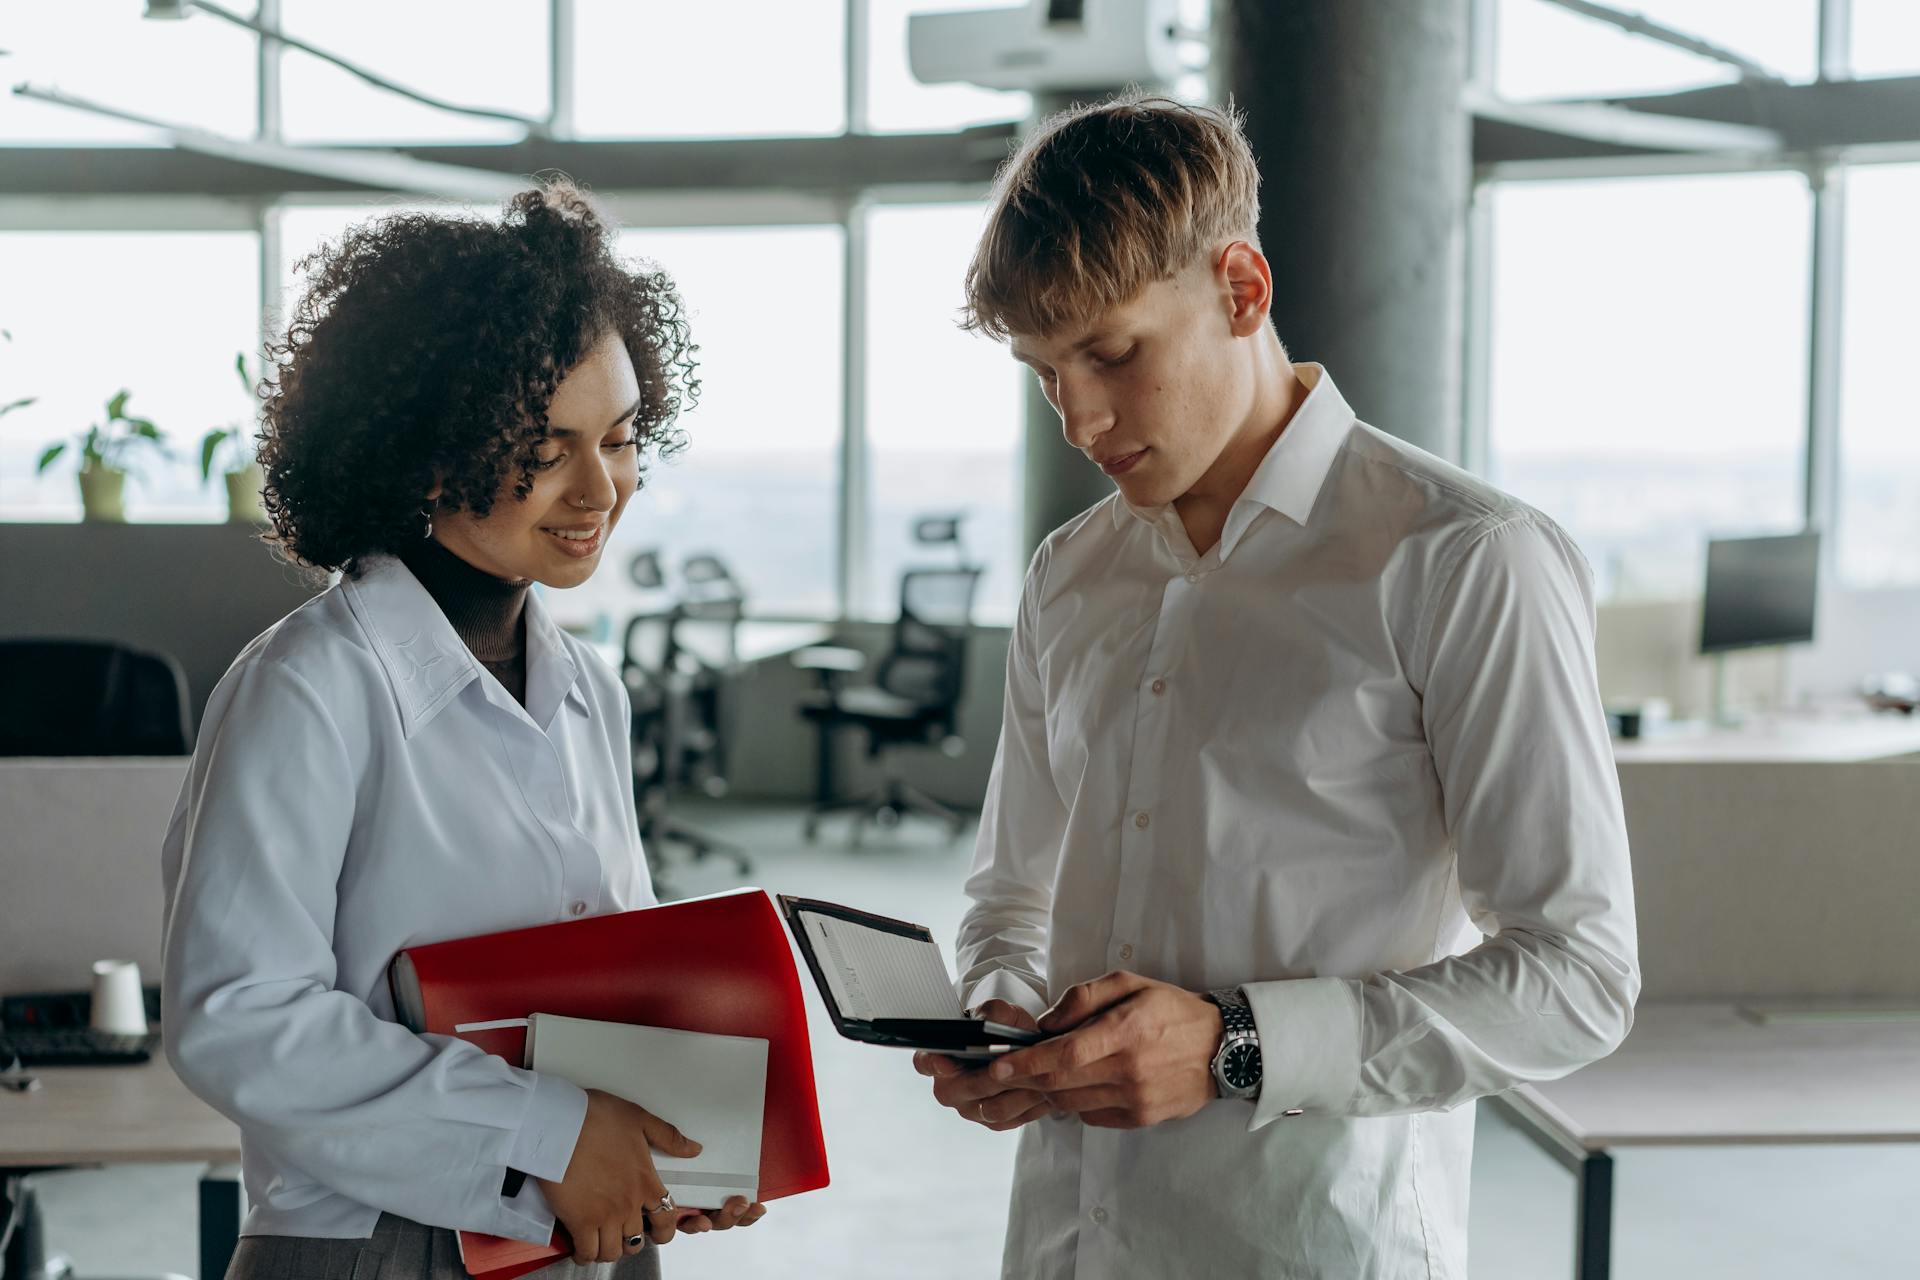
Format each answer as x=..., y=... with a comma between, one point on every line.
x=1760, y=592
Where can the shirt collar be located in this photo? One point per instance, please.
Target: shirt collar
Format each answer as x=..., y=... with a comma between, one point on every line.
x=426, y=662
x=1288, y=480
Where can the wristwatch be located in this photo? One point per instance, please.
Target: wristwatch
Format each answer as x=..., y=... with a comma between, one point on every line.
x=1236, y=1063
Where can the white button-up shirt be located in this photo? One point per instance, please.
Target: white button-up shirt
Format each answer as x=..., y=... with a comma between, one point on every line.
x=361, y=784
x=1351, y=759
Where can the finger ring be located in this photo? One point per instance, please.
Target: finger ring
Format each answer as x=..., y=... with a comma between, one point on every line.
x=634, y=1242
x=665, y=1205
x=981, y=1111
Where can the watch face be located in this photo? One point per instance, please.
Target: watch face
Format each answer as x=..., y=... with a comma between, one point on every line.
x=1241, y=1067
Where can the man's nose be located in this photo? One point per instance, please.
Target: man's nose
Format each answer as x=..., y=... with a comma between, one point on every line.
x=1084, y=417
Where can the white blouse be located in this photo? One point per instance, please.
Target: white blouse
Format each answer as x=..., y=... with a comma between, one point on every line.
x=361, y=785
x=1352, y=759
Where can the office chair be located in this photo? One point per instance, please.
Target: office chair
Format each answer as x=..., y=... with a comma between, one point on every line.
x=660, y=680
x=913, y=701
x=63, y=697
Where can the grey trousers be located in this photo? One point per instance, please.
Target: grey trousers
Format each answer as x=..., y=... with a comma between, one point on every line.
x=401, y=1249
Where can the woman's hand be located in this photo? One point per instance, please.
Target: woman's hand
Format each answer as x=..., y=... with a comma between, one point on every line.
x=611, y=1182
x=973, y=1093
x=738, y=1211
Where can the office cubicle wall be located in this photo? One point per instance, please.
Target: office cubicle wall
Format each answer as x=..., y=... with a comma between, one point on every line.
x=80, y=867
x=197, y=591
x=1776, y=880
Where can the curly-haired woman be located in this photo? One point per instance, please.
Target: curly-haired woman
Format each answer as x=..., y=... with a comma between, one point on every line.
x=419, y=753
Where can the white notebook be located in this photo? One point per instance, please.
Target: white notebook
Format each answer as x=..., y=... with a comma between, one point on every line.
x=711, y=1088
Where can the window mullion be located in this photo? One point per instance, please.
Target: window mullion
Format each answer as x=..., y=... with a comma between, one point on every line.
x=1822, y=468
x=852, y=549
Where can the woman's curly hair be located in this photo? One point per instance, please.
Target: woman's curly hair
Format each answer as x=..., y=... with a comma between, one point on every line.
x=428, y=346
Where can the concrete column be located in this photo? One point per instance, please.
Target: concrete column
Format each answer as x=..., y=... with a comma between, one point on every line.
x=1354, y=111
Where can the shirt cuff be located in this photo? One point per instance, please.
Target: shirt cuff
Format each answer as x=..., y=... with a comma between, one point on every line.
x=1309, y=1046
x=1004, y=984
x=526, y=1216
x=549, y=1128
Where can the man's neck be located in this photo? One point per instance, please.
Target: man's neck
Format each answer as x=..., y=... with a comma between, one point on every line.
x=1203, y=509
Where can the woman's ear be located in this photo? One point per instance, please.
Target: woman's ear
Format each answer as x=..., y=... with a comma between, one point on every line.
x=433, y=494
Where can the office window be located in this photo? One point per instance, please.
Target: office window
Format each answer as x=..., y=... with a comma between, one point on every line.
x=717, y=69
x=759, y=482
x=1648, y=365
x=1886, y=38
x=943, y=411
x=475, y=53
x=160, y=314
x=1879, y=510
x=898, y=103
x=1546, y=51
x=199, y=72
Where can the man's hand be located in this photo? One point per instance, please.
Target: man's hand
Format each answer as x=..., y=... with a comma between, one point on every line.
x=1134, y=1052
x=611, y=1180
x=972, y=1092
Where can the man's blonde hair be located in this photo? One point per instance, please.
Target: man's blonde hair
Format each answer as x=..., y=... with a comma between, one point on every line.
x=1101, y=201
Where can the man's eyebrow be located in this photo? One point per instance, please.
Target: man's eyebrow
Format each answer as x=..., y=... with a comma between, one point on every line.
x=568, y=433
x=1092, y=339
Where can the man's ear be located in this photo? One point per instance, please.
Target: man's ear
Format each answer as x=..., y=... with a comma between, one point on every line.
x=1247, y=281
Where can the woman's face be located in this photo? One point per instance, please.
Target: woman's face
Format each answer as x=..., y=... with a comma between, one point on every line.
x=586, y=472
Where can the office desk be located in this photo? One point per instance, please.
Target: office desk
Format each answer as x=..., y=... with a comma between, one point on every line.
x=753, y=641
x=1782, y=739
x=1708, y=1075
x=129, y=1115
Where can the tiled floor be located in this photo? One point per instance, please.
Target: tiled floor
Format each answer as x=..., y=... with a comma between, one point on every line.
x=919, y=1194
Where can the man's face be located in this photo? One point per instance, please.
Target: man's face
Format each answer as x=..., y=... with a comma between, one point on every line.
x=1154, y=390
x=586, y=472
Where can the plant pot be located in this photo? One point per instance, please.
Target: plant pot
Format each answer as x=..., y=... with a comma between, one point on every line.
x=243, y=496
x=103, y=494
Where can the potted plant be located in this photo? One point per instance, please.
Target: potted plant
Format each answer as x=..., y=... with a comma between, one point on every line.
x=106, y=450
x=228, y=445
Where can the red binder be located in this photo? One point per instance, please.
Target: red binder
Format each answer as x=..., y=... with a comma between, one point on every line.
x=720, y=964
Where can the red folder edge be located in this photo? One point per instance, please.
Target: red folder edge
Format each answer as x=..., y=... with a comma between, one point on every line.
x=720, y=964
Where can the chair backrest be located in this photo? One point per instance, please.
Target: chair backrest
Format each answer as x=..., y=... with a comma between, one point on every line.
x=90, y=698
x=928, y=658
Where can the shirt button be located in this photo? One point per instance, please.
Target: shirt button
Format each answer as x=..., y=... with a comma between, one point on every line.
x=1126, y=951
x=1099, y=1215
x=1141, y=820
x=1193, y=577
x=1159, y=687
x=578, y=909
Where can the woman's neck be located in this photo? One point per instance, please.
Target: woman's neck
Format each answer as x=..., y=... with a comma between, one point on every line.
x=485, y=611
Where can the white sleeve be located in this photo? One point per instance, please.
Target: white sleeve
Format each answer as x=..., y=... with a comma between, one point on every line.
x=424, y=1126
x=1002, y=949
x=1512, y=713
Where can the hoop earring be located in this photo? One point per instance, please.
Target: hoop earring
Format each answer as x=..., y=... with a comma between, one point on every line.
x=426, y=513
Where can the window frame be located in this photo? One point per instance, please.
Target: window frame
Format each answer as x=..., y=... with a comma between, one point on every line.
x=1825, y=172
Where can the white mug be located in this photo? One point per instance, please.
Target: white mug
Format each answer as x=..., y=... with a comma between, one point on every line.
x=118, y=1006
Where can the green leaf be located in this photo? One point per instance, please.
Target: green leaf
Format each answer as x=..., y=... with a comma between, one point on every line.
x=6, y=409
x=117, y=404
x=46, y=459
x=208, y=447
x=240, y=367
x=141, y=427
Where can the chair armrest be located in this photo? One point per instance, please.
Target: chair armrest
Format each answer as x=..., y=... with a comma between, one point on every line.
x=829, y=658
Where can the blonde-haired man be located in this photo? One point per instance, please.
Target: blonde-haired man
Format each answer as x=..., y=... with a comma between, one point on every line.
x=1304, y=830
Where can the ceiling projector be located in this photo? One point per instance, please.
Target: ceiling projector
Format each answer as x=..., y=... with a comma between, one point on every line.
x=1049, y=45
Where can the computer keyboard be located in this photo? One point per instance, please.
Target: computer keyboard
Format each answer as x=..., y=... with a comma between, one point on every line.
x=71, y=1047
